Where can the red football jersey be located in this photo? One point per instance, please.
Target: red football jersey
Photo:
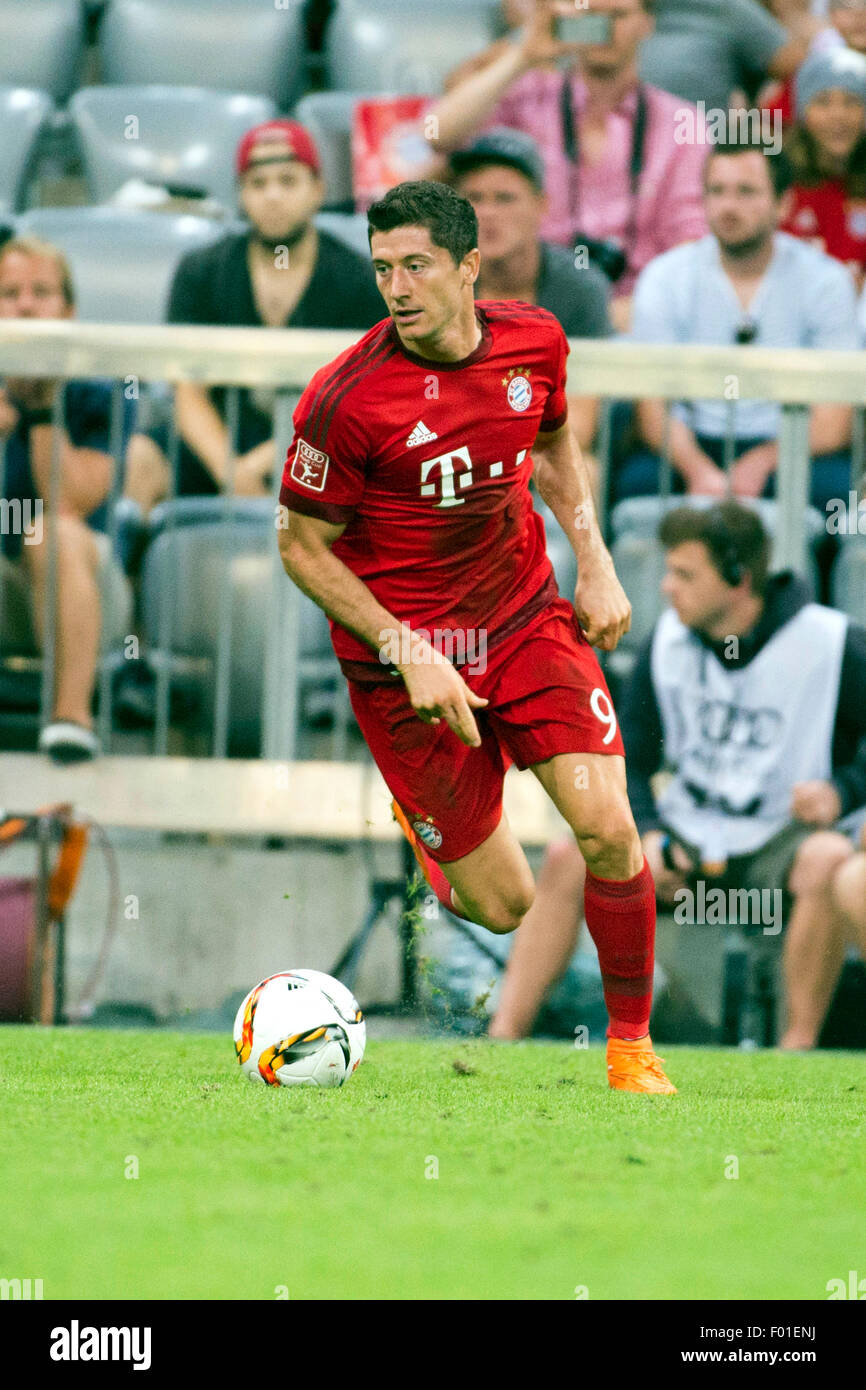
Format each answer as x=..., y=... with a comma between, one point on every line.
x=830, y=220
x=428, y=464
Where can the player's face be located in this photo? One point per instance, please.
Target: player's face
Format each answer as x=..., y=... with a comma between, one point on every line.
x=508, y=207
x=424, y=290
x=695, y=589
x=31, y=287
x=280, y=197
x=837, y=120
x=740, y=201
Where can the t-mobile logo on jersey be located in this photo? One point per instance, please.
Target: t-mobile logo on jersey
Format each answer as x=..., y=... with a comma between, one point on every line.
x=448, y=481
x=452, y=476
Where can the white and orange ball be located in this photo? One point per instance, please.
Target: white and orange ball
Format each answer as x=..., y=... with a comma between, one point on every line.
x=300, y=1028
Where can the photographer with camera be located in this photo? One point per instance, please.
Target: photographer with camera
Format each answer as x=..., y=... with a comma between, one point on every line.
x=621, y=188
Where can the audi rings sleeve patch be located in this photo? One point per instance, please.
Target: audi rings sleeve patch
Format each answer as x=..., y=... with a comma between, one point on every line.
x=310, y=466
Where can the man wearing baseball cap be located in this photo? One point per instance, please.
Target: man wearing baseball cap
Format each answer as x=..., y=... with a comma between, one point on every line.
x=280, y=272
x=502, y=175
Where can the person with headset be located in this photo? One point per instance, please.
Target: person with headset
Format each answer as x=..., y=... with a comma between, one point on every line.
x=765, y=751
x=622, y=188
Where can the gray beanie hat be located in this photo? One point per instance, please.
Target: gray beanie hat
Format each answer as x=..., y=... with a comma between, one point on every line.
x=840, y=67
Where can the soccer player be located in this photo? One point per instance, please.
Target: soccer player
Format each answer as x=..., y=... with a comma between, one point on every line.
x=407, y=517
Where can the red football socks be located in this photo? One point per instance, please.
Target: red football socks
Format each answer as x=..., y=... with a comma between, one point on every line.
x=621, y=917
x=438, y=882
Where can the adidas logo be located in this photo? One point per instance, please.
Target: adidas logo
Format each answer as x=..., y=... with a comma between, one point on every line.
x=420, y=435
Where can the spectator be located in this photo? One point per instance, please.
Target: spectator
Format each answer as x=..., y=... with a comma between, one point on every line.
x=816, y=35
x=848, y=18
x=846, y=923
x=35, y=282
x=767, y=753
x=744, y=282
x=827, y=152
x=619, y=183
x=502, y=175
x=283, y=272
x=708, y=50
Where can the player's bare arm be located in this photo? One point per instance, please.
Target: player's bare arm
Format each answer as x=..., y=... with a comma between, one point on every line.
x=602, y=608
x=435, y=688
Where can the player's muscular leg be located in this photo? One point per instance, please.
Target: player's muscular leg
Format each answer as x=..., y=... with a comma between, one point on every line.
x=589, y=791
x=493, y=885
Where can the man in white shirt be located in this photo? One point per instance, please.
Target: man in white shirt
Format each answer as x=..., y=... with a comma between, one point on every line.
x=745, y=282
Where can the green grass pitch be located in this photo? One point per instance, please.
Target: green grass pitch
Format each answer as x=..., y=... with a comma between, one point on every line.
x=463, y=1169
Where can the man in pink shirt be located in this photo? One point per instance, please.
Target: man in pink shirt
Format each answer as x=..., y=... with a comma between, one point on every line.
x=614, y=169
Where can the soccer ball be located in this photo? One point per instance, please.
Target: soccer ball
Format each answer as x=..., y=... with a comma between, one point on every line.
x=299, y=1028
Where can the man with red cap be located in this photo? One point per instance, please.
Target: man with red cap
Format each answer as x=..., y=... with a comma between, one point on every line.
x=280, y=272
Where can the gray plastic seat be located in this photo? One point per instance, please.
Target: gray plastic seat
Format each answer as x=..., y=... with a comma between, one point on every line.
x=23, y=113
x=184, y=135
x=405, y=46
x=559, y=551
x=640, y=560
x=182, y=600
x=122, y=262
x=350, y=228
x=849, y=576
x=328, y=118
x=232, y=45
x=41, y=45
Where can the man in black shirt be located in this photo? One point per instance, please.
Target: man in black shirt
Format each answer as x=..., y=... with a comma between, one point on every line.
x=502, y=175
x=282, y=272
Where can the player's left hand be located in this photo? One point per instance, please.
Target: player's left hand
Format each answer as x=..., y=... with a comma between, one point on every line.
x=815, y=803
x=602, y=608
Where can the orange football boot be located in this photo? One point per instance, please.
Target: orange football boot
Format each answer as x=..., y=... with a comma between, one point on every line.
x=634, y=1066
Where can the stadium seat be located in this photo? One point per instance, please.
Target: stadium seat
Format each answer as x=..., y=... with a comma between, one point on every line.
x=328, y=117
x=849, y=578
x=640, y=564
x=349, y=227
x=122, y=262
x=41, y=45
x=185, y=566
x=559, y=551
x=23, y=113
x=183, y=135
x=232, y=45
x=398, y=47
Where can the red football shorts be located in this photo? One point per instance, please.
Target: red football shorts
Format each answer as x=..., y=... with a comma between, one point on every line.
x=547, y=695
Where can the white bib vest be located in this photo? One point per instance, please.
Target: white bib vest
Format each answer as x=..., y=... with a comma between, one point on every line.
x=738, y=740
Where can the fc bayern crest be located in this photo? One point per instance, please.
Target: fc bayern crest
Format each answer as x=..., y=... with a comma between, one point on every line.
x=519, y=388
x=426, y=831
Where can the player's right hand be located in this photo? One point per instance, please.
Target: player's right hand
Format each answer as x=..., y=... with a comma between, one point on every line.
x=438, y=692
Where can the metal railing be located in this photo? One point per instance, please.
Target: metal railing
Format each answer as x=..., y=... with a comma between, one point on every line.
x=285, y=360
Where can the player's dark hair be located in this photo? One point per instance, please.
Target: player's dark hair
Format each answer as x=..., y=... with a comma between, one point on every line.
x=778, y=163
x=449, y=218
x=733, y=535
